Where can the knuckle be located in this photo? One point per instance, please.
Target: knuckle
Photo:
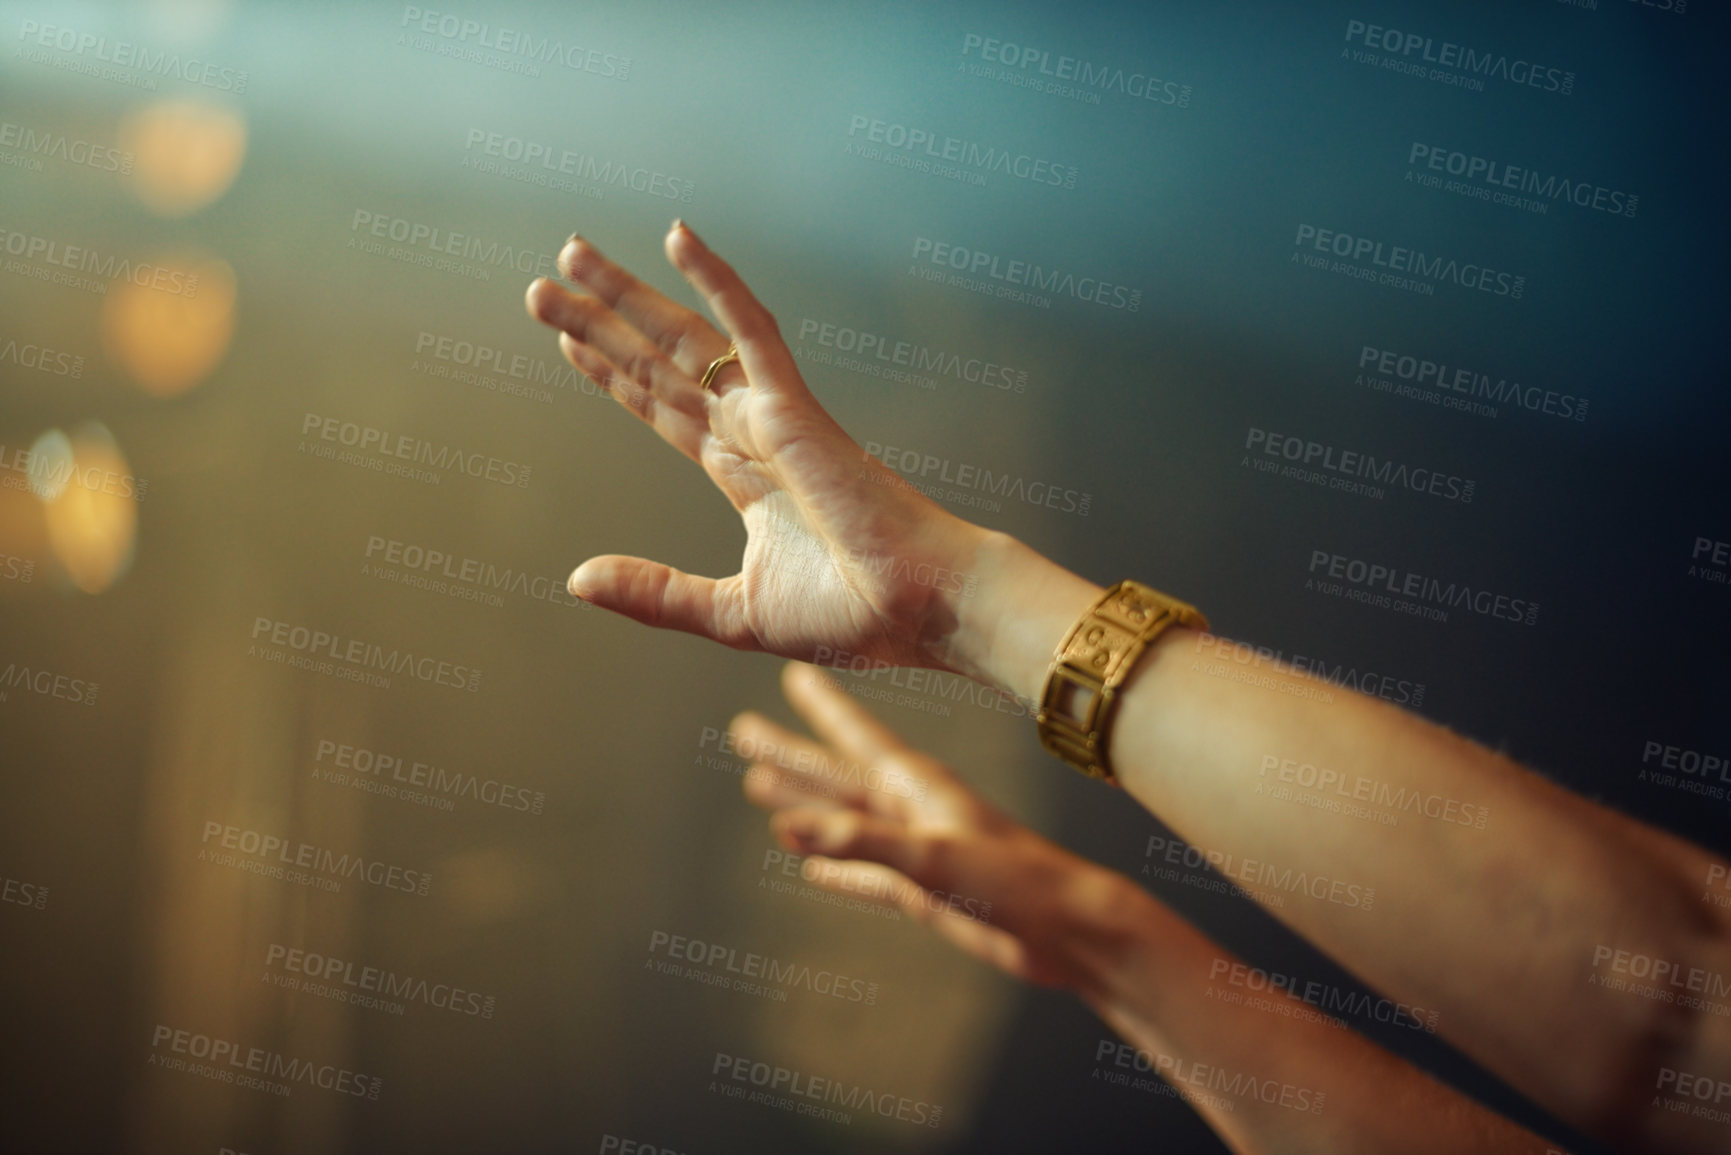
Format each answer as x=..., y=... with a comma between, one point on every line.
x=931, y=857
x=611, y=285
x=638, y=365
x=654, y=599
x=679, y=336
x=578, y=316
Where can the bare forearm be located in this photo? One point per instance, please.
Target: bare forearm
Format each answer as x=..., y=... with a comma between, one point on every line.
x=1435, y=869
x=1267, y=1071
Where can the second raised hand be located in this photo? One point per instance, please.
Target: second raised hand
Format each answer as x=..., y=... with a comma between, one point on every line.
x=842, y=557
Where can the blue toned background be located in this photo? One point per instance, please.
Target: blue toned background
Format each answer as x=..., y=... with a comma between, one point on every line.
x=264, y=170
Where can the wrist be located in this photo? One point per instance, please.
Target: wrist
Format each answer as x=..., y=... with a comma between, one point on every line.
x=1005, y=625
x=1113, y=930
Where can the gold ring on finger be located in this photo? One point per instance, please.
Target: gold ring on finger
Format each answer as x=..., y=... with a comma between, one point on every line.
x=726, y=358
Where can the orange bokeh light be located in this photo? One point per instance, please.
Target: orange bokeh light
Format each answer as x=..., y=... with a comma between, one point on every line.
x=169, y=342
x=187, y=154
x=93, y=522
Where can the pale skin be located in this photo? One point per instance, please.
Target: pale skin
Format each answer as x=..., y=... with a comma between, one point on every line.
x=1503, y=929
x=925, y=842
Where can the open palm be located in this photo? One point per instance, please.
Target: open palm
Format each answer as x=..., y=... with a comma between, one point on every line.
x=842, y=557
x=879, y=820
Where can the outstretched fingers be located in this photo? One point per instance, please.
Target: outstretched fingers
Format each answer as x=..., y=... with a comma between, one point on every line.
x=792, y=769
x=969, y=929
x=752, y=327
x=927, y=857
x=835, y=716
x=683, y=334
x=620, y=359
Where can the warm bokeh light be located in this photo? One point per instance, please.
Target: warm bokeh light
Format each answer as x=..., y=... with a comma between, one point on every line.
x=169, y=342
x=24, y=553
x=188, y=153
x=93, y=523
x=50, y=464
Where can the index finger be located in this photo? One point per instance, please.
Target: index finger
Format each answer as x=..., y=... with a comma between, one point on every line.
x=836, y=717
x=683, y=334
x=751, y=326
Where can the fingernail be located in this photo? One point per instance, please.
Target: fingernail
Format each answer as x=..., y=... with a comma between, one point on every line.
x=571, y=586
x=678, y=223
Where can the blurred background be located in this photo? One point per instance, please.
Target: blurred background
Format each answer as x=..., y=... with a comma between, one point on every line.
x=311, y=765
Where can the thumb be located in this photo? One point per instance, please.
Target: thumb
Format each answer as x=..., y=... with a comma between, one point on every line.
x=661, y=596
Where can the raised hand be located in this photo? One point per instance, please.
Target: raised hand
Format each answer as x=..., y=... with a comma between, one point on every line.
x=880, y=820
x=841, y=554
